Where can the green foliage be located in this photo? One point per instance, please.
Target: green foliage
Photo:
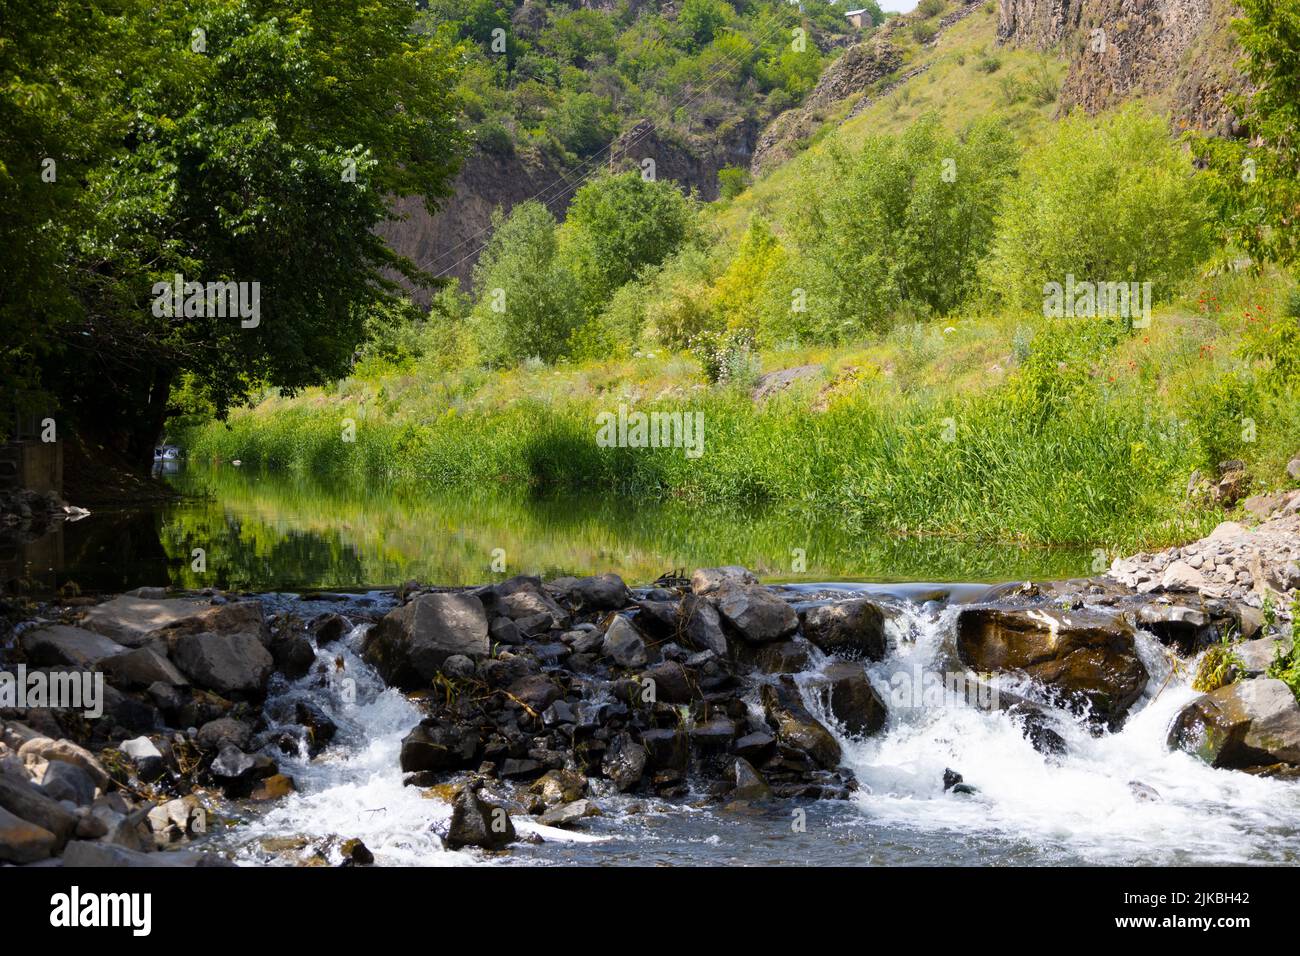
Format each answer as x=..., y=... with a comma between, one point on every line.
x=1277, y=343
x=1218, y=415
x=1285, y=665
x=732, y=181
x=929, y=8
x=1218, y=667
x=1083, y=206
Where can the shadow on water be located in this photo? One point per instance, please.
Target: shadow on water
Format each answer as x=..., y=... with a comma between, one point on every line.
x=263, y=530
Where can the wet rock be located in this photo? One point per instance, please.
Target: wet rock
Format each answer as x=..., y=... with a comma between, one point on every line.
x=223, y=732
x=795, y=726
x=458, y=667
x=673, y=683
x=438, y=746
x=329, y=627
x=623, y=644
x=603, y=592
x=783, y=657
x=293, y=655
x=559, y=786
x=356, y=853
x=1088, y=657
x=65, y=781
x=23, y=842
x=666, y=749
x=536, y=691
x=1246, y=724
x=754, y=746
x=476, y=822
x=851, y=698
x=27, y=802
x=704, y=626
x=410, y=645
x=624, y=762
x=952, y=780
x=320, y=728
x=712, y=580
x=57, y=645
x=713, y=735
x=660, y=619
x=757, y=615
x=569, y=814
x=748, y=783
x=275, y=787
x=146, y=757
x=177, y=820
x=234, y=663
x=140, y=668
x=1144, y=793
x=854, y=629
x=505, y=631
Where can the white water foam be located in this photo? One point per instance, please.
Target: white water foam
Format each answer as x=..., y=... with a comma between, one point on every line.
x=1079, y=806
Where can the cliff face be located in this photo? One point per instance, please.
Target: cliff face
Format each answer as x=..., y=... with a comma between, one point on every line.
x=1180, y=53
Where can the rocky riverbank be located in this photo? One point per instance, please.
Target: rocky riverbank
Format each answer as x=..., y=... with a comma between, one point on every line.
x=544, y=700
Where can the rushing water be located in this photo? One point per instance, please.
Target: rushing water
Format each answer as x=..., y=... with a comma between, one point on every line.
x=1117, y=798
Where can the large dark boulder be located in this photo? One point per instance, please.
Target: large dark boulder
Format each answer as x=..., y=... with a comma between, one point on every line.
x=623, y=644
x=712, y=580
x=439, y=745
x=602, y=592
x=795, y=726
x=1251, y=723
x=408, y=647
x=140, y=668
x=476, y=822
x=851, y=698
x=229, y=664
x=56, y=645
x=756, y=614
x=703, y=625
x=1089, y=658
x=853, y=629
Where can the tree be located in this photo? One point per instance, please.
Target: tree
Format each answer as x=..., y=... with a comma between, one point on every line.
x=253, y=141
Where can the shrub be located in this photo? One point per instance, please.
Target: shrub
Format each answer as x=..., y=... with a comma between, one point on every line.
x=929, y=8
x=732, y=181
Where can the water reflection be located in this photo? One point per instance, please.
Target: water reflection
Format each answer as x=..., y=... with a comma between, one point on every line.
x=263, y=530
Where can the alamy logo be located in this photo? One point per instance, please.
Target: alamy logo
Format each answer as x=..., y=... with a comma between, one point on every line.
x=626, y=429
x=1090, y=300
x=192, y=300
x=73, y=909
x=59, y=690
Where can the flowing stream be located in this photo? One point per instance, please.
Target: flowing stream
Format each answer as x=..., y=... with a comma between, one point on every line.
x=1115, y=798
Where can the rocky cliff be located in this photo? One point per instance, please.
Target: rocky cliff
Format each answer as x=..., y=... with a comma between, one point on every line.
x=1179, y=53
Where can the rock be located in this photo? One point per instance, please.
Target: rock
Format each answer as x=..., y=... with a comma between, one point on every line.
x=247, y=618
x=329, y=627
x=66, y=781
x=852, y=699
x=505, y=631
x=1258, y=655
x=137, y=669
x=853, y=629
x=704, y=626
x=559, y=786
x=229, y=664
x=1088, y=657
x=293, y=655
x=604, y=592
x=673, y=683
x=237, y=772
x=410, y=645
x=177, y=820
x=1293, y=468
x=438, y=746
x=623, y=644
x=748, y=783
x=784, y=657
x=568, y=814
x=755, y=746
x=23, y=842
x=82, y=853
x=624, y=762
x=666, y=749
x=528, y=601
x=758, y=615
x=1181, y=576
x=275, y=787
x=712, y=580
x=458, y=667
x=57, y=645
x=536, y=691
x=146, y=756
x=223, y=732
x=356, y=853
x=950, y=778
x=1246, y=724
x=1144, y=793
x=131, y=620
x=27, y=802
x=475, y=822
x=68, y=752
x=795, y=726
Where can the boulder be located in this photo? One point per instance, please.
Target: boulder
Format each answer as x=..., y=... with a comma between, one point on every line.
x=666, y=749
x=603, y=592
x=673, y=683
x=146, y=756
x=83, y=853
x=1089, y=658
x=712, y=580
x=131, y=620
x=227, y=663
x=137, y=669
x=624, y=762
x=23, y=842
x=475, y=822
x=1250, y=723
x=757, y=615
x=851, y=698
x=853, y=629
x=704, y=626
x=293, y=654
x=223, y=732
x=436, y=746
x=408, y=647
x=329, y=627
x=795, y=726
x=559, y=786
x=568, y=814
x=66, y=781
x=1258, y=655
x=27, y=802
x=536, y=691
x=67, y=752
x=748, y=783
x=58, y=645
x=623, y=644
